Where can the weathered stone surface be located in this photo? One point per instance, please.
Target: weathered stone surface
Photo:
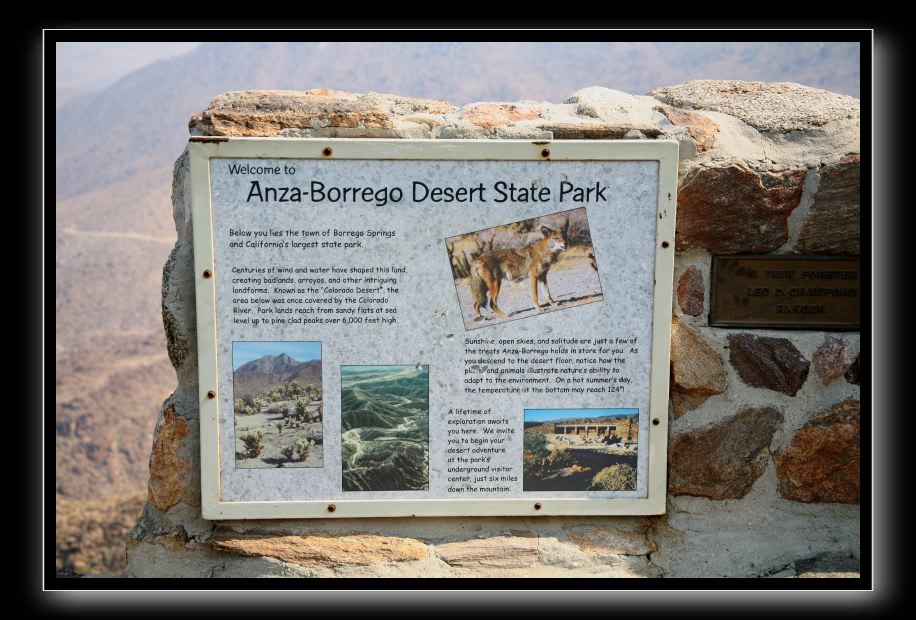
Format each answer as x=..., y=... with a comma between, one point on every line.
x=495, y=552
x=596, y=131
x=822, y=462
x=169, y=473
x=733, y=209
x=771, y=363
x=696, y=368
x=830, y=359
x=682, y=403
x=691, y=292
x=722, y=461
x=702, y=129
x=613, y=106
x=269, y=112
x=852, y=373
x=320, y=550
x=491, y=115
x=609, y=540
x=828, y=565
x=778, y=107
x=832, y=225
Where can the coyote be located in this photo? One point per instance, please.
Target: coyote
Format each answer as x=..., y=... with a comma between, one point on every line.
x=515, y=264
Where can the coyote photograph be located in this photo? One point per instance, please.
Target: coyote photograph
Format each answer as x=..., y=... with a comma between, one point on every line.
x=525, y=268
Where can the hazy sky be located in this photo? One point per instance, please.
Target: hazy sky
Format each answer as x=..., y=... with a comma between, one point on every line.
x=540, y=415
x=93, y=66
x=244, y=352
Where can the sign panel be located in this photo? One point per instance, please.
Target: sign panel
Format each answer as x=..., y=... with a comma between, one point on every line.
x=395, y=328
x=786, y=292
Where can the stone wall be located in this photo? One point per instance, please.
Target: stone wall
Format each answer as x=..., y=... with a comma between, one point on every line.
x=764, y=446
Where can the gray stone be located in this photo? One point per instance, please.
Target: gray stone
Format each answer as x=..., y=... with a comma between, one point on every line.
x=767, y=106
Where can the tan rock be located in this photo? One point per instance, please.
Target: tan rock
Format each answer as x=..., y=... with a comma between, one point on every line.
x=495, y=552
x=608, y=540
x=696, y=369
x=597, y=131
x=682, y=403
x=169, y=472
x=702, y=129
x=320, y=549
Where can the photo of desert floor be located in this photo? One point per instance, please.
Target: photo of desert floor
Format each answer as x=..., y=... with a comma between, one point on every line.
x=385, y=427
x=278, y=404
x=505, y=255
x=580, y=450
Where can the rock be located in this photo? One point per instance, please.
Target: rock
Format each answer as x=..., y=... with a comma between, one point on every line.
x=702, y=129
x=830, y=359
x=495, y=552
x=491, y=115
x=770, y=363
x=828, y=565
x=832, y=225
x=852, y=373
x=778, y=107
x=732, y=209
x=696, y=368
x=609, y=540
x=269, y=112
x=323, y=549
x=691, y=292
x=722, y=461
x=822, y=462
x=596, y=131
x=614, y=107
x=682, y=403
x=169, y=472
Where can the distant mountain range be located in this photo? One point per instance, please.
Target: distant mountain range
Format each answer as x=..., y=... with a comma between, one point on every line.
x=270, y=371
x=601, y=420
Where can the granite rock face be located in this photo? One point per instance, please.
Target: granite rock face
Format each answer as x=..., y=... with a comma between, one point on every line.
x=770, y=363
x=832, y=226
x=766, y=106
x=696, y=368
x=822, y=463
x=731, y=208
x=724, y=460
x=830, y=359
x=702, y=129
x=691, y=292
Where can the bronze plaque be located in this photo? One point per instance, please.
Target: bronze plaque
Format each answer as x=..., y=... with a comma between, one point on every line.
x=785, y=292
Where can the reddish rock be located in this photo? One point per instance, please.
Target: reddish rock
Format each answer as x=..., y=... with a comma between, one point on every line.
x=491, y=115
x=169, y=473
x=852, y=373
x=702, y=129
x=696, y=369
x=832, y=226
x=770, y=363
x=691, y=292
x=733, y=209
x=830, y=359
x=722, y=461
x=822, y=462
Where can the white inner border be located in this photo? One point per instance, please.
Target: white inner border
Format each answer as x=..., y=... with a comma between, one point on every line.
x=201, y=150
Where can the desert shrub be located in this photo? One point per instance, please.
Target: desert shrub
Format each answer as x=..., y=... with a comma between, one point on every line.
x=288, y=453
x=301, y=404
x=303, y=447
x=239, y=406
x=280, y=427
x=254, y=443
x=559, y=458
x=614, y=478
x=535, y=445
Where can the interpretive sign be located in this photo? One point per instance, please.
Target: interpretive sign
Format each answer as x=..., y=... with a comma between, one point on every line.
x=397, y=328
x=786, y=292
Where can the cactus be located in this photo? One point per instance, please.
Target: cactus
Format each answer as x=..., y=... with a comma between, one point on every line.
x=254, y=443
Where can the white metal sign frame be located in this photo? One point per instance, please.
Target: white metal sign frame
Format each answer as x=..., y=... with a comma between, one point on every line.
x=202, y=149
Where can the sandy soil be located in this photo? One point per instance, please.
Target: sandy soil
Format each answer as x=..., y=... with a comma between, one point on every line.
x=275, y=440
x=572, y=282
